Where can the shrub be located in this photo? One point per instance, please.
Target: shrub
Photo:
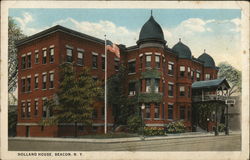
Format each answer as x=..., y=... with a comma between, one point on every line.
x=134, y=123
x=154, y=131
x=221, y=127
x=175, y=127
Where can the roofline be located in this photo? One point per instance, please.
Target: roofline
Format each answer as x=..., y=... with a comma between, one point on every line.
x=56, y=29
x=223, y=80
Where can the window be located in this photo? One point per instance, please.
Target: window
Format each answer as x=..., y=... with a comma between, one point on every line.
x=198, y=76
x=170, y=68
x=157, y=61
x=23, y=85
x=44, y=56
x=36, y=108
x=69, y=56
x=44, y=108
x=51, y=56
x=170, y=90
x=157, y=112
x=189, y=114
x=51, y=80
x=116, y=65
x=28, y=109
x=182, y=90
x=189, y=92
x=36, y=82
x=103, y=112
x=44, y=81
x=94, y=61
x=207, y=76
x=141, y=61
x=189, y=70
x=182, y=112
x=131, y=88
x=94, y=114
x=23, y=62
x=148, y=85
x=131, y=67
x=170, y=111
x=28, y=84
x=29, y=61
x=36, y=57
x=192, y=75
x=148, y=61
x=157, y=87
x=103, y=63
x=147, y=111
x=23, y=109
x=182, y=71
x=80, y=58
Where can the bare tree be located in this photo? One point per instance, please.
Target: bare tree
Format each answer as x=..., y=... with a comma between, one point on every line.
x=14, y=34
x=232, y=75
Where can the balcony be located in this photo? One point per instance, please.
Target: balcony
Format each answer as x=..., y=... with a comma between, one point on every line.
x=211, y=97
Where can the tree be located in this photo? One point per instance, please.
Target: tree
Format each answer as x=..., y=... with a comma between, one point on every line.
x=76, y=96
x=232, y=75
x=14, y=34
x=122, y=105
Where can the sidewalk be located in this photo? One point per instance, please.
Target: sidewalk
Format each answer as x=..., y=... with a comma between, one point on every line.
x=118, y=140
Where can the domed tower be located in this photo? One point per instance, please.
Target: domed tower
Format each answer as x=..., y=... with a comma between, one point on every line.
x=182, y=50
x=151, y=35
x=210, y=69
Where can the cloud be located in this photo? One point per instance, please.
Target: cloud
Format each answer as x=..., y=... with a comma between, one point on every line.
x=117, y=34
x=24, y=22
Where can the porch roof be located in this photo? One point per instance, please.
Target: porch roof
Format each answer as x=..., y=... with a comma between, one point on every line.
x=210, y=83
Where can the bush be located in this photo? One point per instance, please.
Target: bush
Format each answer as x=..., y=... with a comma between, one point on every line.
x=175, y=127
x=221, y=127
x=154, y=131
x=134, y=123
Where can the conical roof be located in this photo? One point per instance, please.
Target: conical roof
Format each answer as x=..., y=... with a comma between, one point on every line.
x=182, y=50
x=207, y=59
x=151, y=31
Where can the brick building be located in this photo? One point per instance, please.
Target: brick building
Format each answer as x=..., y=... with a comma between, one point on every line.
x=165, y=76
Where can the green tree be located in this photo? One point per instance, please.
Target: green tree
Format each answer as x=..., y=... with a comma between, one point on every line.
x=122, y=105
x=14, y=34
x=232, y=75
x=76, y=96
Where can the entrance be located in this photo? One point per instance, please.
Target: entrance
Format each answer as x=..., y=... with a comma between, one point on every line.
x=27, y=131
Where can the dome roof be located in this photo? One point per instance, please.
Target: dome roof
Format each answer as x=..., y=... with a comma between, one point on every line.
x=207, y=59
x=182, y=50
x=151, y=31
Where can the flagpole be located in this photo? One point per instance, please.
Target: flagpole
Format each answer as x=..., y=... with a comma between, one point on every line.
x=105, y=94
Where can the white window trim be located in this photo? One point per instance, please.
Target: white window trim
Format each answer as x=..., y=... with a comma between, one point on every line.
x=80, y=49
x=28, y=100
x=131, y=60
x=94, y=53
x=44, y=73
x=148, y=53
x=52, y=46
x=157, y=54
x=29, y=76
x=140, y=55
x=36, y=51
x=103, y=55
x=69, y=47
x=44, y=49
x=171, y=104
x=44, y=98
x=36, y=99
x=36, y=75
x=29, y=53
x=171, y=83
x=23, y=101
x=170, y=62
x=52, y=71
x=23, y=55
x=23, y=78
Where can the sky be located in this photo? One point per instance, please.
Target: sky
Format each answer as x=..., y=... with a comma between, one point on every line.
x=215, y=30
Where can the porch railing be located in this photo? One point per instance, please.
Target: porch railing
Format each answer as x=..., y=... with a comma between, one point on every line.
x=208, y=98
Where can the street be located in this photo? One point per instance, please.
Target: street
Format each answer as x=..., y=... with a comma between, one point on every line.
x=210, y=143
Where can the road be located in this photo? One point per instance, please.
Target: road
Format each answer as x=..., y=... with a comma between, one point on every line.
x=210, y=143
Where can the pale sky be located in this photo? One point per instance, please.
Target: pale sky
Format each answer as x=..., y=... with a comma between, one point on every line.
x=216, y=30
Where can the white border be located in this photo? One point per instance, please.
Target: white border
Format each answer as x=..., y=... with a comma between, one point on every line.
x=244, y=154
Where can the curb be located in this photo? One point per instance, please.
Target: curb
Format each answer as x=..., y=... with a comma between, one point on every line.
x=115, y=140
